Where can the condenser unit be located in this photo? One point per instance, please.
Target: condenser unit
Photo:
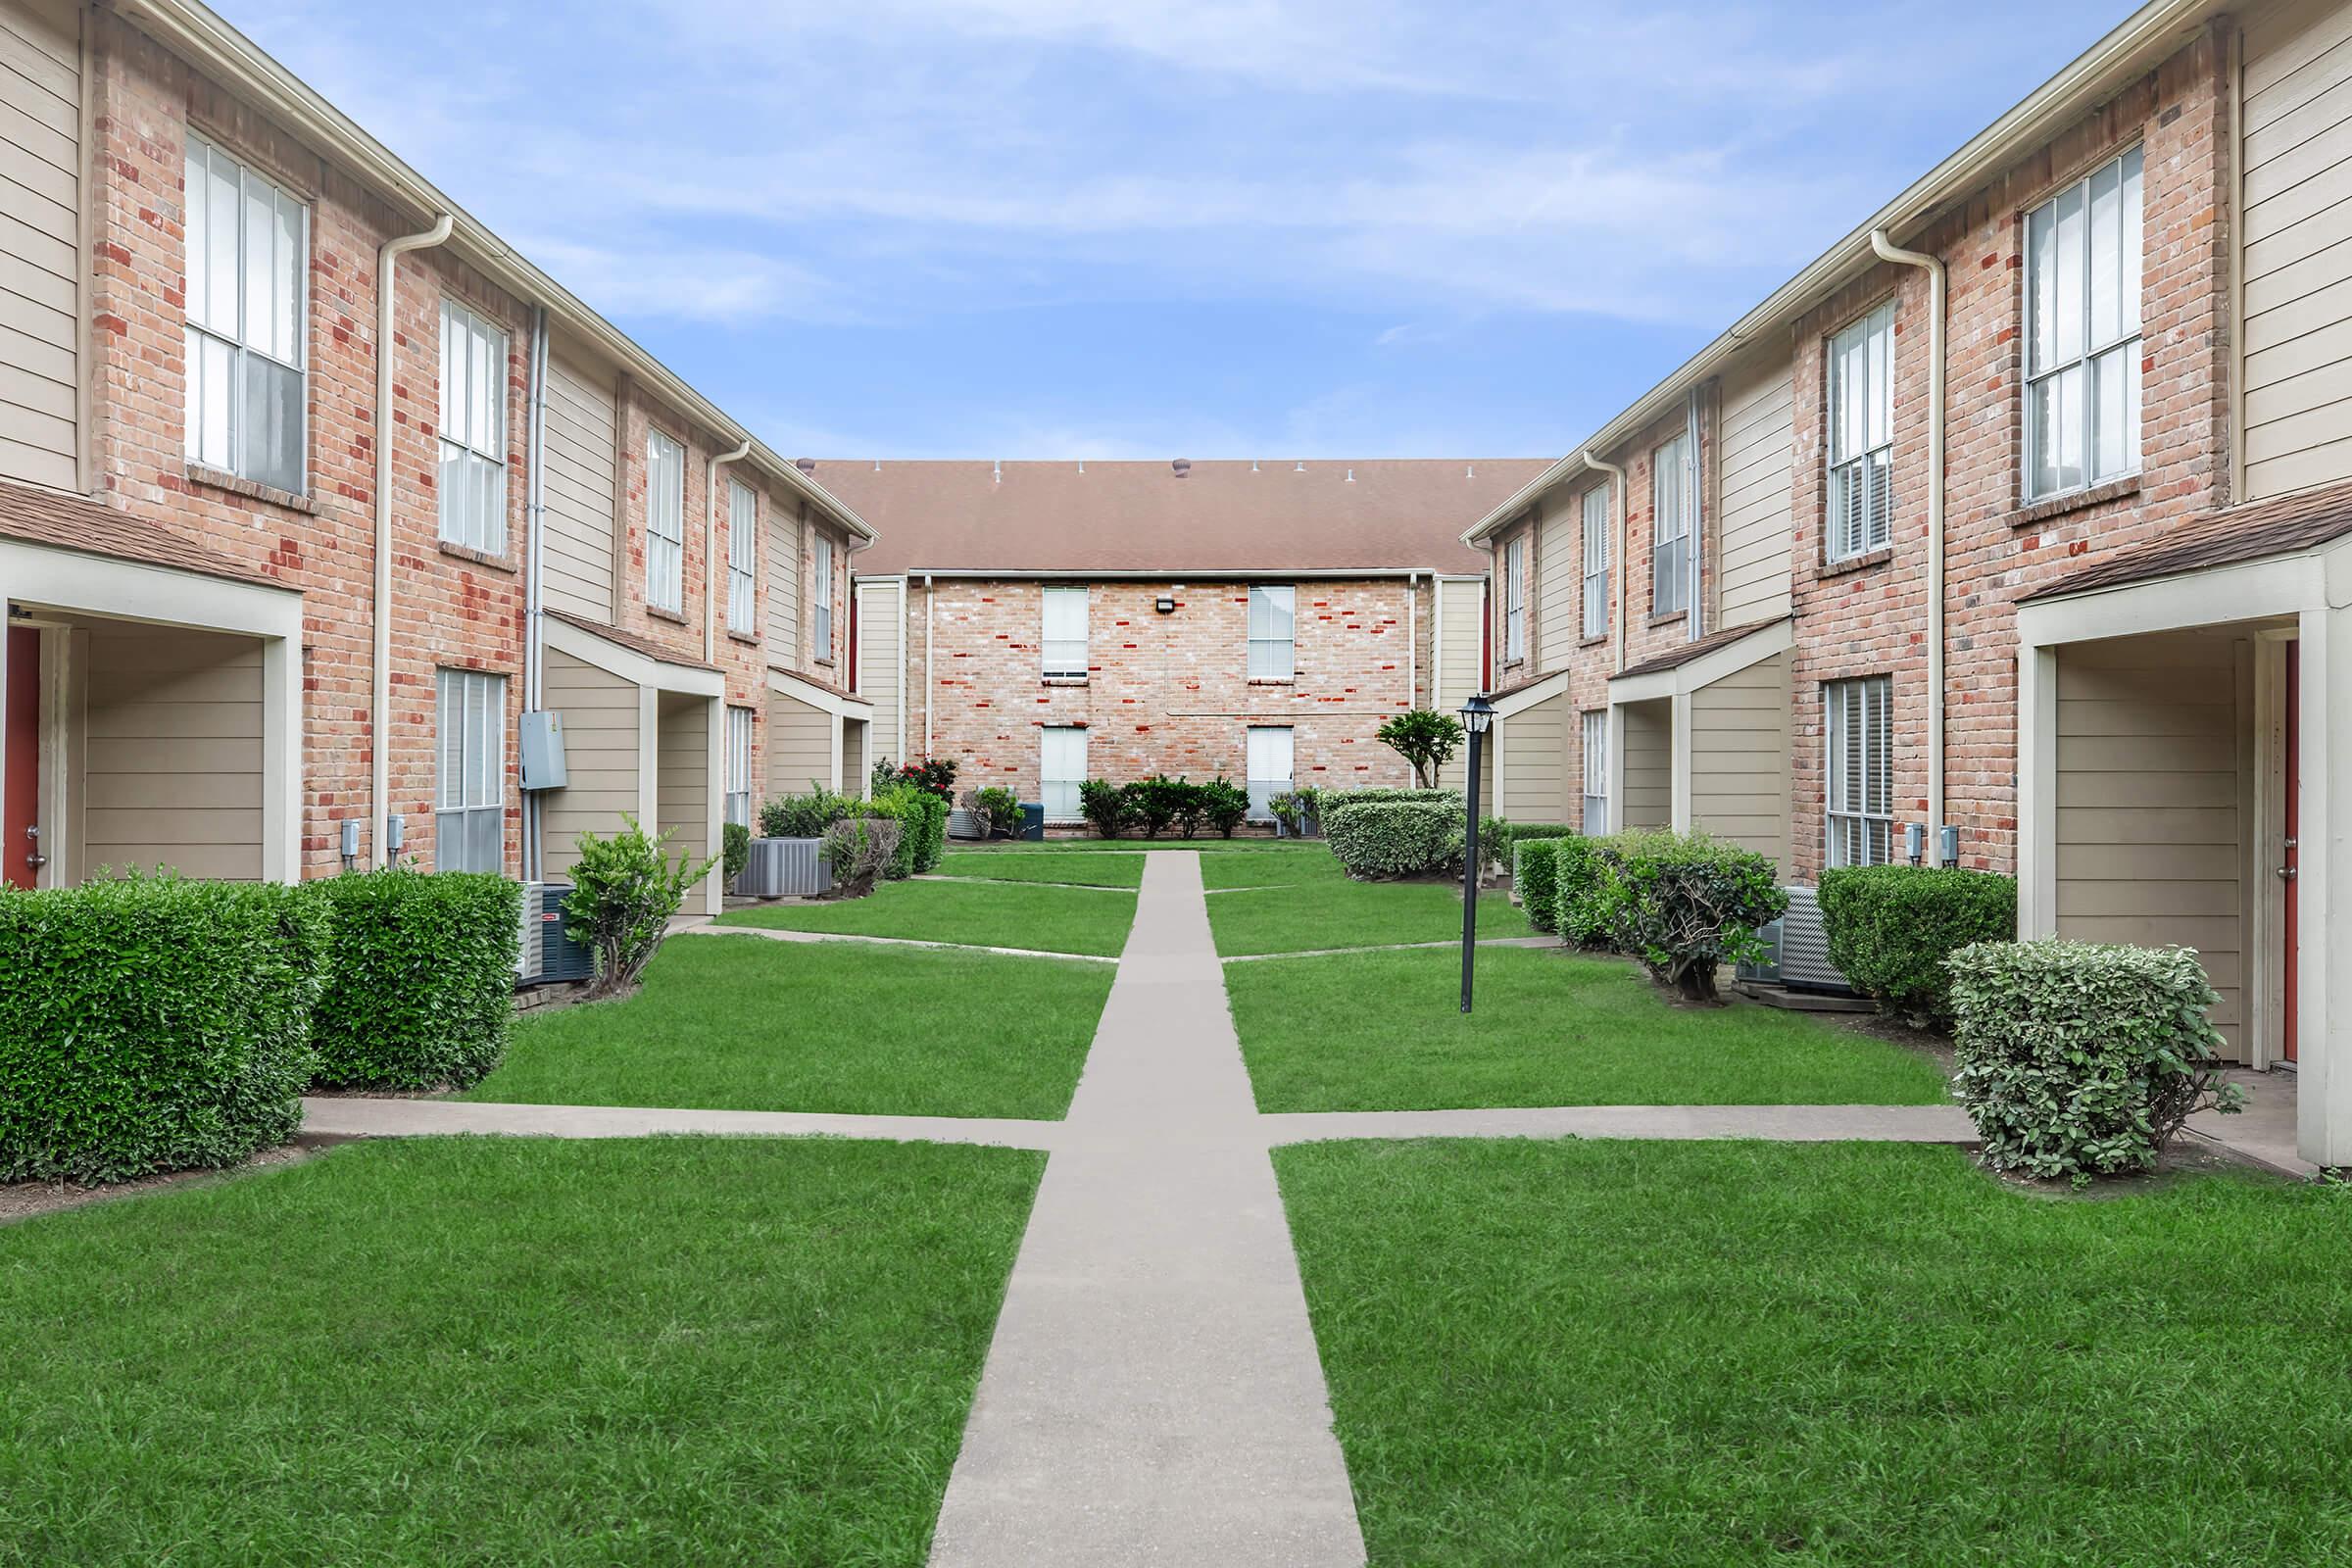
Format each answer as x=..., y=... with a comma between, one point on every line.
x=785, y=868
x=1798, y=949
x=560, y=958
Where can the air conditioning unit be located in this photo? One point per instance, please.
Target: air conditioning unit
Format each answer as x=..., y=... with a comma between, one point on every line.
x=526, y=949
x=1798, y=950
x=785, y=868
x=560, y=958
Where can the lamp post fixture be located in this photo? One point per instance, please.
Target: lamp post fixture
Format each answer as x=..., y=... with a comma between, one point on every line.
x=1478, y=716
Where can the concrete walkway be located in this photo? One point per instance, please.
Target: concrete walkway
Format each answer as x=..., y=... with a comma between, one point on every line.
x=1153, y=1394
x=775, y=933
x=1789, y=1124
x=353, y=1117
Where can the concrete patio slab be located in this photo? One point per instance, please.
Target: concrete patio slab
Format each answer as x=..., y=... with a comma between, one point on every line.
x=2265, y=1131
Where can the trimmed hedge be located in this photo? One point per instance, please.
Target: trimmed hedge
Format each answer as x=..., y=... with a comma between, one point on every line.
x=420, y=979
x=1535, y=867
x=153, y=1024
x=804, y=816
x=1383, y=834
x=1893, y=927
x=2078, y=1059
x=1496, y=837
x=922, y=818
x=1582, y=890
x=1686, y=903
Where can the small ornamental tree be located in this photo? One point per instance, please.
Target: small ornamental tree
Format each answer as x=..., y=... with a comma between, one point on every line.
x=1425, y=738
x=624, y=889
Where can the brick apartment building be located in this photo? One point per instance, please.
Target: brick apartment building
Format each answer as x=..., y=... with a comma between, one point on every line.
x=210, y=663
x=2090, y=620
x=1048, y=623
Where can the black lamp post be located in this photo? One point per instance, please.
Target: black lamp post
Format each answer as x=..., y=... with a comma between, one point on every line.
x=1477, y=716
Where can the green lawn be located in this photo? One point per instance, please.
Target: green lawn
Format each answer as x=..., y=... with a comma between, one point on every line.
x=1629, y=1353
x=1551, y=1028
x=1046, y=866
x=490, y=1352
x=740, y=1024
x=1274, y=865
x=1007, y=915
x=1336, y=912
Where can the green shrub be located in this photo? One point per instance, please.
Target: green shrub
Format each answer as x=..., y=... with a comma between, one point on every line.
x=1584, y=890
x=1327, y=801
x=1422, y=737
x=735, y=849
x=1289, y=812
x=1684, y=904
x=2078, y=1059
x=1190, y=807
x=934, y=776
x=856, y=849
x=153, y=1024
x=1535, y=865
x=1225, y=805
x=1000, y=811
x=421, y=981
x=1891, y=927
x=1378, y=836
x=623, y=891
x=922, y=819
x=1496, y=837
x=804, y=816
x=1154, y=803
x=1104, y=804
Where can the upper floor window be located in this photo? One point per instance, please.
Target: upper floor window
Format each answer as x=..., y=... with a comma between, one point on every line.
x=470, y=809
x=1596, y=562
x=822, y=616
x=1861, y=770
x=2082, y=256
x=1065, y=634
x=1670, y=527
x=473, y=431
x=1273, y=622
x=743, y=557
x=248, y=244
x=1514, y=599
x=665, y=523
x=1862, y=435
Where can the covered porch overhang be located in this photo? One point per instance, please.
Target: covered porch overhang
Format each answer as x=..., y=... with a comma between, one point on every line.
x=1699, y=738
x=817, y=734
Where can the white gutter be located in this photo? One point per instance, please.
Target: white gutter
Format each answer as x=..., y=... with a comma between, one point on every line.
x=1936, y=376
x=712, y=574
x=1617, y=574
x=534, y=653
x=379, y=709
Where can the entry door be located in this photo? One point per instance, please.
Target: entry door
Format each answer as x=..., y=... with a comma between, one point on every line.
x=1269, y=767
x=2290, y=854
x=20, y=821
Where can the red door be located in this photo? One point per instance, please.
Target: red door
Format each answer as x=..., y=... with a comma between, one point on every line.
x=2290, y=854
x=22, y=786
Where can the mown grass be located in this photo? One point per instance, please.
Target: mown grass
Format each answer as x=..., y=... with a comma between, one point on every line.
x=492, y=1351
x=1332, y=911
x=743, y=1023
x=1047, y=866
x=1384, y=1031
x=1003, y=915
x=1587, y=1354
x=1276, y=865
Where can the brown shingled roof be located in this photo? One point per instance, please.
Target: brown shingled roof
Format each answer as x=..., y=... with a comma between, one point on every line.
x=632, y=641
x=1676, y=658
x=71, y=522
x=1392, y=515
x=2225, y=538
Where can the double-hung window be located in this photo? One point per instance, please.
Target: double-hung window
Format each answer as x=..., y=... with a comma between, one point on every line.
x=1596, y=562
x=743, y=558
x=1670, y=527
x=473, y=431
x=248, y=248
x=739, y=766
x=1268, y=766
x=1596, y=772
x=822, y=614
x=1861, y=770
x=1862, y=435
x=1064, y=632
x=665, y=523
x=1062, y=768
x=1514, y=599
x=1273, y=622
x=2083, y=257
x=469, y=798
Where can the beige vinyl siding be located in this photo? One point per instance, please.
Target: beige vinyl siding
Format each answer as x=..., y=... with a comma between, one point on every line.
x=1648, y=764
x=800, y=746
x=1454, y=637
x=1758, y=437
x=856, y=756
x=786, y=534
x=1558, y=588
x=600, y=756
x=2297, y=259
x=170, y=755
x=582, y=480
x=2153, y=749
x=41, y=241
x=1531, y=764
x=1739, y=758
x=881, y=635
x=683, y=750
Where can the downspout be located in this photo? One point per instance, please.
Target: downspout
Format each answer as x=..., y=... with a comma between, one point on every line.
x=712, y=574
x=379, y=709
x=1412, y=641
x=1936, y=383
x=930, y=677
x=534, y=657
x=1617, y=572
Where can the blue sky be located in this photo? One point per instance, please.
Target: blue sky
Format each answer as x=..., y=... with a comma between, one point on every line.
x=1058, y=229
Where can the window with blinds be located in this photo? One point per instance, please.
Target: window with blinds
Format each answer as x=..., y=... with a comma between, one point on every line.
x=248, y=252
x=1273, y=623
x=1062, y=768
x=2083, y=331
x=1862, y=435
x=1670, y=527
x=473, y=431
x=665, y=523
x=1596, y=562
x=739, y=766
x=1861, y=770
x=1268, y=761
x=820, y=613
x=743, y=557
x=470, y=797
x=1065, y=634
x=1514, y=599
x=1596, y=772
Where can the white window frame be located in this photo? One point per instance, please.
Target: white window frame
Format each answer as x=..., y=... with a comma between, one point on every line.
x=743, y=558
x=1596, y=561
x=1514, y=600
x=1670, y=525
x=472, y=480
x=1861, y=419
x=1056, y=792
x=665, y=523
x=248, y=325
x=1273, y=632
x=470, y=771
x=821, y=609
x=1596, y=728
x=1062, y=633
x=1859, y=768
x=739, y=766
x=1262, y=789
x=2082, y=358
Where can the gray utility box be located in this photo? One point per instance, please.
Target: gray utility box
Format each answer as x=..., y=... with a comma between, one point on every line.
x=541, y=750
x=785, y=868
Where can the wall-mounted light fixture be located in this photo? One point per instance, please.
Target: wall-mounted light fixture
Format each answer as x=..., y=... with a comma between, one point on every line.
x=1165, y=604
